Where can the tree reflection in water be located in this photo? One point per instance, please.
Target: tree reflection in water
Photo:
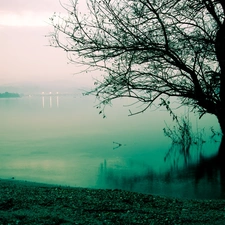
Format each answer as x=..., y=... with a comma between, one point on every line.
x=202, y=179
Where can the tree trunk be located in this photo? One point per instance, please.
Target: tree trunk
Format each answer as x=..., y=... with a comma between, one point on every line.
x=221, y=120
x=221, y=152
x=220, y=54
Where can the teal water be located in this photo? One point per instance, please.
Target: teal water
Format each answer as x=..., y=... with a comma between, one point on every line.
x=63, y=140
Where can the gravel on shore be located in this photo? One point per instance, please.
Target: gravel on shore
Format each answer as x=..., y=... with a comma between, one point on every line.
x=33, y=203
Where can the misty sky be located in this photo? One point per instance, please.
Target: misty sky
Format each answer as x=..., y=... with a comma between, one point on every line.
x=25, y=54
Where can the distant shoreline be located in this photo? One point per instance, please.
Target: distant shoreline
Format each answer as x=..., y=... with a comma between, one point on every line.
x=9, y=95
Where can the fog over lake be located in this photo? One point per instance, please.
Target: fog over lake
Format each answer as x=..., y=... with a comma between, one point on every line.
x=62, y=139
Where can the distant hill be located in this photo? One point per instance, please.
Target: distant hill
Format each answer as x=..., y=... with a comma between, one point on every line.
x=9, y=95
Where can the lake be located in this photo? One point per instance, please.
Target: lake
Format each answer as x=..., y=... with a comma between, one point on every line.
x=63, y=140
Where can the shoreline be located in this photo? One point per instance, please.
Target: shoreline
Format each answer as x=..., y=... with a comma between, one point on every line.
x=23, y=202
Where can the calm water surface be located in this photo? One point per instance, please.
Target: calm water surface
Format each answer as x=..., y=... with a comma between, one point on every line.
x=63, y=140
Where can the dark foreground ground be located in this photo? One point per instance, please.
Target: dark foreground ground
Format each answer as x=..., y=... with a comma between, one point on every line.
x=31, y=203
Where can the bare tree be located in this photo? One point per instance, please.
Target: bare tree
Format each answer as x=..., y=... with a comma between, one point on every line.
x=150, y=49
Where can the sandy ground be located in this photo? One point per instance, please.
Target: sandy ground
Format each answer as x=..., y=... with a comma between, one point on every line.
x=33, y=203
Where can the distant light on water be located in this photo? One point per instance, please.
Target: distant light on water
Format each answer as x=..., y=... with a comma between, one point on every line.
x=57, y=101
x=50, y=101
x=53, y=98
x=43, y=101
